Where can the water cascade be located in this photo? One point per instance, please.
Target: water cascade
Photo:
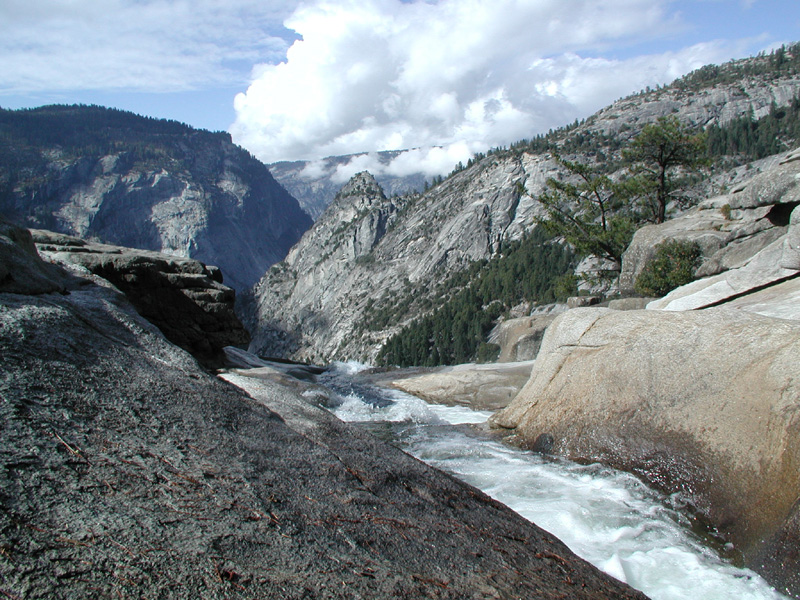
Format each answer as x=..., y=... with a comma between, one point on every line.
x=608, y=517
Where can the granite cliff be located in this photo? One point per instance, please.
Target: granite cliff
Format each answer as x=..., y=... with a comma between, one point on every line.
x=323, y=304
x=144, y=183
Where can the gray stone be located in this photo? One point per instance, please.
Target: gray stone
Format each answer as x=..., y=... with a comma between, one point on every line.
x=582, y=301
x=703, y=403
x=128, y=471
x=790, y=257
x=629, y=303
x=779, y=185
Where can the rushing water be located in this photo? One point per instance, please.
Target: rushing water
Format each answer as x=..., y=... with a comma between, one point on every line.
x=607, y=517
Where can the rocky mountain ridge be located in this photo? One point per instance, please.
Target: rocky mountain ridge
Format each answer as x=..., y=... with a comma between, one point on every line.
x=466, y=218
x=316, y=183
x=144, y=183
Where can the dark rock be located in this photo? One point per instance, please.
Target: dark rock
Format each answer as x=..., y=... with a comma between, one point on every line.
x=22, y=271
x=131, y=181
x=127, y=471
x=543, y=443
x=180, y=296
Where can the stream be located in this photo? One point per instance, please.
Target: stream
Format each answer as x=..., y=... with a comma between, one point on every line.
x=607, y=517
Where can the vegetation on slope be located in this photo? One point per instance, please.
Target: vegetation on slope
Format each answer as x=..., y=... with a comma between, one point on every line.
x=531, y=270
x=456, y=324
x=30, y=139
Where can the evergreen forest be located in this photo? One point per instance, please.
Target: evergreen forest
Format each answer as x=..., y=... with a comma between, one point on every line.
x=532, y=270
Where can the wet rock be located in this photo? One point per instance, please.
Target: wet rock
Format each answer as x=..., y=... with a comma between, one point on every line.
x=703, y=403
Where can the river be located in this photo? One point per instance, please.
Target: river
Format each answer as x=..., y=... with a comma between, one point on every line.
x=608, y=517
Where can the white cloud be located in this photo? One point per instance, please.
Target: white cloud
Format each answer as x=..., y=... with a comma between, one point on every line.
x=146, y=45
x=460, y=75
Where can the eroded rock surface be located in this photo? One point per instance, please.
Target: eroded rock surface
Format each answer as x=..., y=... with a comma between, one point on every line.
x=127, y=471
x=479, y=387
x=705, y=403
x=183, y=297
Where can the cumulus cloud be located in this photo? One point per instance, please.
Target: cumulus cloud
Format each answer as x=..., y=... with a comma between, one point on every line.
x=145, y=45
x=461, y=76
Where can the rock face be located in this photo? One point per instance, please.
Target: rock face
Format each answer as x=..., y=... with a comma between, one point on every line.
x=705, y=403
x=182, y=297
x=143, y=183
x=125, y=470
x=315, y=184
x=479, y=387
x=730, y=229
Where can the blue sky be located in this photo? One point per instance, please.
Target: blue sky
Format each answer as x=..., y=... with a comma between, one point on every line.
x=294, y=80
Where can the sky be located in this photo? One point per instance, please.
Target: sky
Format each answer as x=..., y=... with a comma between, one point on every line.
x=302, y=80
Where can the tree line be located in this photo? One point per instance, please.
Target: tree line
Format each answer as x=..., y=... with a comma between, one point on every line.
x=528, y=270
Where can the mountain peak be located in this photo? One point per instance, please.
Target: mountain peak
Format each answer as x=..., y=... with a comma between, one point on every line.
x=362, y=184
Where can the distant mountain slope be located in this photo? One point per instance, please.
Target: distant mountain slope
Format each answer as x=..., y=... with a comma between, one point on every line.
x=327, y=301
x=315, y=184
x=159, y=185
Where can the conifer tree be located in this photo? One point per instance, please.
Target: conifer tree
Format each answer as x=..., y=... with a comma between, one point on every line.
x=659, y=155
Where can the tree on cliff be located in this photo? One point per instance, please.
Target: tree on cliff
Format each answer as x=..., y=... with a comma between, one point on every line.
x=661, y=157
x=589, y=211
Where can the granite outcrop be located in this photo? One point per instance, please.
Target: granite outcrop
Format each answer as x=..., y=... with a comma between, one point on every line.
x=184, y=298
x=702, y=403
x=128, y=471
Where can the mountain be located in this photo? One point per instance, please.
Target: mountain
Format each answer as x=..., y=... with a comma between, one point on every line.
x=128, y=471
x=333, y=298
x=138, y=182
x=316, y=183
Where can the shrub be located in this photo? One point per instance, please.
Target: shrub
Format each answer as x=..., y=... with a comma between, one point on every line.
x=673, y=265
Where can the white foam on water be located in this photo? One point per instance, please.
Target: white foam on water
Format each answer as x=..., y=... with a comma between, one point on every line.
x=608, y=517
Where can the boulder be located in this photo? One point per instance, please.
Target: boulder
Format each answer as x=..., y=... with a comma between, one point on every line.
x=519, y=339
x=702, y=403
x=479, y=387
x=183, y=297
x=779, y=185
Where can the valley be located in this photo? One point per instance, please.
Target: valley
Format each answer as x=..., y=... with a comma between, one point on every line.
x=158, y=287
